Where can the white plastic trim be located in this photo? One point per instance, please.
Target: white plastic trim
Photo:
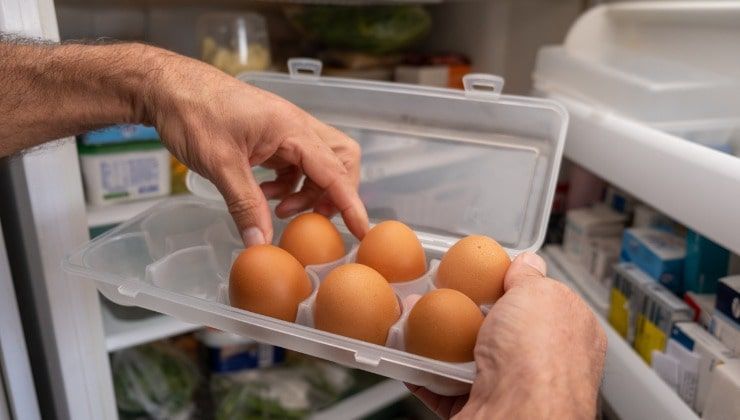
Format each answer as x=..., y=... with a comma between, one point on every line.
x=481, y=85
x=306, y=68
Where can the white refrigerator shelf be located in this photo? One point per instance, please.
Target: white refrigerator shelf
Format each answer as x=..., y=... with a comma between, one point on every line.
x=365, y=402
x=692, y=184
x=122, y=333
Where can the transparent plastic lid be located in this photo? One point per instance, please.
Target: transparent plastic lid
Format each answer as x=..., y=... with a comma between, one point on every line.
x=446, y=162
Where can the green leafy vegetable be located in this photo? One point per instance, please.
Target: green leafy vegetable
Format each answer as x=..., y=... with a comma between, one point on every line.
x=374, y=29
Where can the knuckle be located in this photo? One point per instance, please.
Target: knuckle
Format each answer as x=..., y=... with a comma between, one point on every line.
x=243, y=207
x=354, y=151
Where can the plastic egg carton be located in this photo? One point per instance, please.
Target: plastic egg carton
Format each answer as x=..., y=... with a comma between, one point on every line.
x=176, y=257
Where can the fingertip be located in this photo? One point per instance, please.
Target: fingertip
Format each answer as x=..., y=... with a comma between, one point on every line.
x=253, y=236
x=288, y=207
x=357, y=221
x=532, y=260
x=525, y=267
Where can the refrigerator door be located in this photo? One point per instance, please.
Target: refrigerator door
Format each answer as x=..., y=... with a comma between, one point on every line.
x=17, y=392
x=43, y=215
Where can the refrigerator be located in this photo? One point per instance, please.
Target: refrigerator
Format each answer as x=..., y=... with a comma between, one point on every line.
x=55, y=336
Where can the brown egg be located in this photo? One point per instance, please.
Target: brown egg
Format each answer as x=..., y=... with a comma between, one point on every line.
x=393, y=250
x=443, y=325
x=356, y=301
x=475, y=265
x=312, y=239
x=269, y=281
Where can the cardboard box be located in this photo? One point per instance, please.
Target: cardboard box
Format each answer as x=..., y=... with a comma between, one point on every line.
x=646, y=216
x=706, y=262
x=728, y=297
x=660, y=254
x=703, y=306
x=679, y=368
x=600, y=256
x=122, y=133
x=620, y=200
x=711, y=353
x=587, y=224
x=662, y=309
x=627, y=298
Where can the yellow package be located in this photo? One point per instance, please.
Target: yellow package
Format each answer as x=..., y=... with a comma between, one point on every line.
x=619, y=312
x=648, y=337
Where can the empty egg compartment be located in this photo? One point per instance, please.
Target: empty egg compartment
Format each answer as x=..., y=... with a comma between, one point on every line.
x=183, y=246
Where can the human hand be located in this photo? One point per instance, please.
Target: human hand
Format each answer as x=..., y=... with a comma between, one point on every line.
x=221, y=127
x=540, y=353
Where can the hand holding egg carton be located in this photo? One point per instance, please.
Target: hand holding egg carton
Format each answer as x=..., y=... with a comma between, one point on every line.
x=176, y=258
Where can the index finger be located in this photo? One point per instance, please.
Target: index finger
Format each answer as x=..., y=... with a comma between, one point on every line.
x=319, y=163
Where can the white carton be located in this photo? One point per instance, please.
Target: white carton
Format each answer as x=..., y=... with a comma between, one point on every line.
x=584, y=225
x=124, y=176
x=711, y=353
x=599, y=258
x=726, y=330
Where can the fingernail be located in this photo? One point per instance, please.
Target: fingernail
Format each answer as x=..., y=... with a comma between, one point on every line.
x=253, y=236
x=534, y=261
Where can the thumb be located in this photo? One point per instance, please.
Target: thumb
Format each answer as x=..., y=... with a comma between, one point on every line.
x=247, y=205
x=525, y=268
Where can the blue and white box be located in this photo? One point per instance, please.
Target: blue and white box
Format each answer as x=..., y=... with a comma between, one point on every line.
x=122, y=133
x=660, y=254
x=728, y=297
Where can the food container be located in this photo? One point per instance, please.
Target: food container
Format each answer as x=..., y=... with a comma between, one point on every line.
x=234, y=42
x=122, y=133
x=232, y=353
x=446, y=162
x=114, y=173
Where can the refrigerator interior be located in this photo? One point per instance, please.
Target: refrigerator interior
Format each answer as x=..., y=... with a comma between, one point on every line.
x=498, y=36
x=496, y=47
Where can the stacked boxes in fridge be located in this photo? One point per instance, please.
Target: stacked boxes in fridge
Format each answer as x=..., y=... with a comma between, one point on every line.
x=710, y=351
x=585, y=225
x=706, y=263
x=643, y=311
x=627, y=298
x=658, y=253
x=726, y=319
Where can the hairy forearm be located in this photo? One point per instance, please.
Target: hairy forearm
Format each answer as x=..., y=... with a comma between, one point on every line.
x=50, y=91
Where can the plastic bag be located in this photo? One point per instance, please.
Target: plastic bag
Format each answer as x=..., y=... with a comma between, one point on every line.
x=153, y=381
x=374, y=29
x=288, y=392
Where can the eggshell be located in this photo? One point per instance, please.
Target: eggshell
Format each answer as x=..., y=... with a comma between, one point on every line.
x=392, y=249
x=443, y=325
x=312, y=239
x=269, y=281
x=356, y=301
x=475, y=265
